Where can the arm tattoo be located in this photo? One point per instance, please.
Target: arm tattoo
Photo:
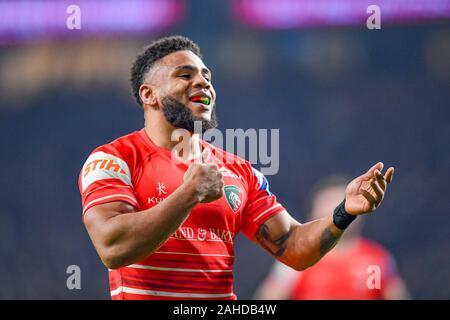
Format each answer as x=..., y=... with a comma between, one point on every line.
x=275, y=246
x=327, y=241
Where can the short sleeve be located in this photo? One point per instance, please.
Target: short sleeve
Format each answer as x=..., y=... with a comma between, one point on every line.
x=105, y=177
x=261, y=204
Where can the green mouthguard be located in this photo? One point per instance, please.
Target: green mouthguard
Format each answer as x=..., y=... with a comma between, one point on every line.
x=205, y=100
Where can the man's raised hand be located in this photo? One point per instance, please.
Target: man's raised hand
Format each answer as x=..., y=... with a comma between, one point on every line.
x=204, y=179
x=365, y=193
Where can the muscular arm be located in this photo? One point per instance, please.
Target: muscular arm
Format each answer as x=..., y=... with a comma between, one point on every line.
x=122, y=236
x=298, y=245
x=302, y=245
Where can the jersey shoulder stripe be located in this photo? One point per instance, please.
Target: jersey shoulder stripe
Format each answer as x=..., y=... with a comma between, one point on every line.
x=262, y=181
x=102, y=165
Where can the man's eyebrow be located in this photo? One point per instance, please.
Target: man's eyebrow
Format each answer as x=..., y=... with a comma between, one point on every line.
x=192, y=68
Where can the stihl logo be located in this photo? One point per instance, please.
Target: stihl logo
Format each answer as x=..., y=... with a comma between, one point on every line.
x=103, y=164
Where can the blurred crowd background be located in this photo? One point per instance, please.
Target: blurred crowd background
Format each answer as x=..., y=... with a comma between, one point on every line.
x=343, y=97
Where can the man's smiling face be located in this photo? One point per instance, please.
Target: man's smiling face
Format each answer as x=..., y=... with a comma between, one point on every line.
x=182, y=77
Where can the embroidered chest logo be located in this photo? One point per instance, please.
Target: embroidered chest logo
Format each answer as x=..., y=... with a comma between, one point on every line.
x=161, y=188
x=233, y=196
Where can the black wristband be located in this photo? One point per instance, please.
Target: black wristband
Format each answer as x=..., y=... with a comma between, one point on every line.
x=341, y=218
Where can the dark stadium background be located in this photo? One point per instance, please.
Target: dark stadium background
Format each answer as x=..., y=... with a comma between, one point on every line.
x=343, y=98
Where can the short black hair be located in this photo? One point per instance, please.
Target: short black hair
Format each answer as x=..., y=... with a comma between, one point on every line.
x=156, y=50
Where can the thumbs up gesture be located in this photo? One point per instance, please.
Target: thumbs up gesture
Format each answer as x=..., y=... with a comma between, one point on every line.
x=204, y=179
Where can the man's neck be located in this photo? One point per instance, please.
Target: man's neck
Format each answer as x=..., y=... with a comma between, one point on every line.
x=186, y=145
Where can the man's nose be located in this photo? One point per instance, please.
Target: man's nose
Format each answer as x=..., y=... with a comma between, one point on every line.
x=201, y=82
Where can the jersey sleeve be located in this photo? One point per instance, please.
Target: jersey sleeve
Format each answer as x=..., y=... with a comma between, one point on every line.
x=105, y=177
x=261, y=204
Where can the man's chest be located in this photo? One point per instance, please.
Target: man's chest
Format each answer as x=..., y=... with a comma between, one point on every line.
x=159, y=178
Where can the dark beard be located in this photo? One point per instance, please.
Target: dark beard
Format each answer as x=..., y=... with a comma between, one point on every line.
x=178, y=115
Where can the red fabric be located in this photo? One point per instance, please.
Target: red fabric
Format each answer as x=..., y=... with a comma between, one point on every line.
x=196, y=261
x=340, y=276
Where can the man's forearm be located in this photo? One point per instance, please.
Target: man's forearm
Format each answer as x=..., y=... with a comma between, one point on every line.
x=133, y=236
x=299, y=245
x=310, y=242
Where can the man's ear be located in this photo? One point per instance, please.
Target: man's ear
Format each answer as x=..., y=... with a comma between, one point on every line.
x=147, y=93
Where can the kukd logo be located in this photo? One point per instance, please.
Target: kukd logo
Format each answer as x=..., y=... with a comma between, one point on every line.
x=161, y=189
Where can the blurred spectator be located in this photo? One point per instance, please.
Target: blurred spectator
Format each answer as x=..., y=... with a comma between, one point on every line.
x=347, y=271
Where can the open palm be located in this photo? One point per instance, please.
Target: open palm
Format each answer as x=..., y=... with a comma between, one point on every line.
x=365, y=193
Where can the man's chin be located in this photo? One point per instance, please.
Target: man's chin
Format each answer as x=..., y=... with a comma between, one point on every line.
x=202, y=112
x=181, y=116
x=203, y=117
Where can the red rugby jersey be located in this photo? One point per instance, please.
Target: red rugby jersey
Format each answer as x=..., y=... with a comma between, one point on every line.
x=196, y=261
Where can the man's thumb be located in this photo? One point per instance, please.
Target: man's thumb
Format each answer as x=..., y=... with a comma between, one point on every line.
x=206, y=155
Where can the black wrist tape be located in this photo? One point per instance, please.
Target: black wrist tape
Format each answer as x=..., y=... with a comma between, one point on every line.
x=341, y=218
